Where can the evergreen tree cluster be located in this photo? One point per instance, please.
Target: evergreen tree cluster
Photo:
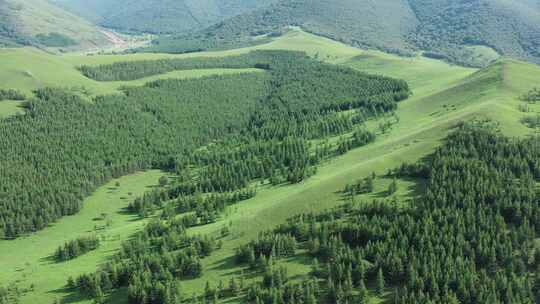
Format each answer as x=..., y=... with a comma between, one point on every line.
x=76, y=248
x=531, y=121
x=53, y=145
x=226, y=130
x=267, y=245
x=276, y=289
x=362, y=186
x=131, y=70
x=532, y=96
x=229, y=169
x=359, y=138
x=4, y=295
x=148, y=202
x=185, y=198
x=150, y=265
x=11, y=94
x=206, y=209
x=469, y=239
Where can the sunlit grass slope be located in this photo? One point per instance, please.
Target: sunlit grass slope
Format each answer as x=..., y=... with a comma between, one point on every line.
x=28, y=260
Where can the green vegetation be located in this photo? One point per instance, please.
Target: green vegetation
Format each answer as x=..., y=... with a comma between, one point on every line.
x=443, y=96
x=127, y=128
x=471, y=230
x=464, y=32
x=132, y=70
x=11, y=102
x=532, y=96
x=273, y=108
x=55, y=40
x=11, y=94
x=302, y=103
x=344, y=20
x=40, y=23
x=441, y=99
x=75, y=248
x=28, y=69
x=158, y=16
x=28, y=263
x=448, y=28
x=9, y=37
x=532, y=121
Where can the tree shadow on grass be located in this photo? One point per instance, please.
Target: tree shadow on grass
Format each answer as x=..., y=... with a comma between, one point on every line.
x=236, y=269
x=228, y=263
x=50, y=259
x=300, y=258
x=68, y=295
x=417, y=188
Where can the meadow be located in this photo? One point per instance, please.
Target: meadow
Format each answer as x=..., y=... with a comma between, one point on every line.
x=29, y=263
x=443, y=95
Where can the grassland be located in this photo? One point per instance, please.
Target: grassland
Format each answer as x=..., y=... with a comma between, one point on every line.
x=10, y=107
x=28, y=68
x=443, y=96
x=28, y=260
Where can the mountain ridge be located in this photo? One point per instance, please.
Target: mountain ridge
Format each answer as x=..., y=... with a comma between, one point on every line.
x=450, y=30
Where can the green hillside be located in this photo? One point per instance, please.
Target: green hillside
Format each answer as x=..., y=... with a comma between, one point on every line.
x=381, y=24
x=159, y=16
x=443, y=96
x=506, y=26
x=464, y=32
x=40, y=23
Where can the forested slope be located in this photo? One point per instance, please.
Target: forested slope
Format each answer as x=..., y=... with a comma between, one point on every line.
x=469, y=238
x=445, y=29
x=382, y=24
x=161, y=124
x=510, y=27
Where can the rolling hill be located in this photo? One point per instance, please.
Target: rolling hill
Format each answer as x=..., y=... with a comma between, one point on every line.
x=464, y=32
x=40, y=23
x=444, y=95
x=159, y=16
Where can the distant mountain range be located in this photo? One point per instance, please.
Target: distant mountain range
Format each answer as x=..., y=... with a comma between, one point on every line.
x=467, y=32
x=159, y=16
x=460, y=31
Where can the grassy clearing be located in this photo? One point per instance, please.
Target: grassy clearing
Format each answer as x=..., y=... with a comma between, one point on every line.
x=10, y=107
x=28, y=260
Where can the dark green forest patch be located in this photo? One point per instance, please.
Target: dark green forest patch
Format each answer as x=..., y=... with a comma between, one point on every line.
x=11, y=94
x=55, y=40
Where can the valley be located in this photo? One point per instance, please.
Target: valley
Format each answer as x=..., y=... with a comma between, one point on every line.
x=443, y=95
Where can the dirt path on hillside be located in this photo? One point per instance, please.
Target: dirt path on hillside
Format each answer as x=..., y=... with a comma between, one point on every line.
x=116, y=40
